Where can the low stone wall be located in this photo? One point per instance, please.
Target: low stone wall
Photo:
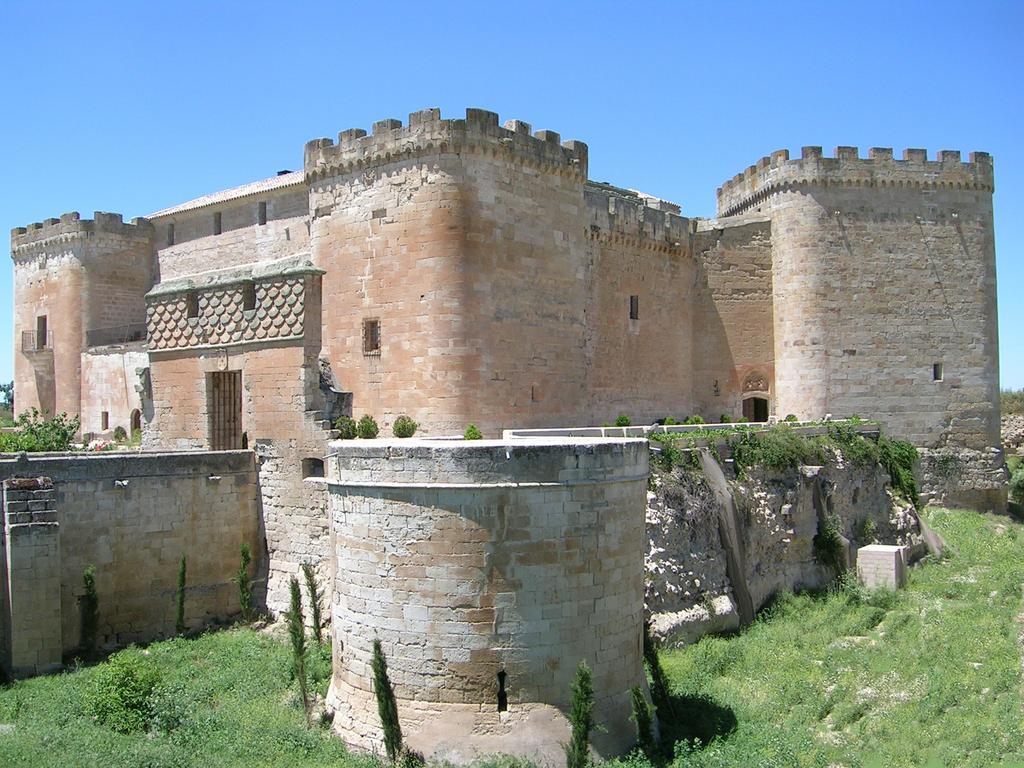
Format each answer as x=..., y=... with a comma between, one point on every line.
x=1013, y=433
x=688, y=590
x=132, y=517
x=488, y=570
x=965, y=478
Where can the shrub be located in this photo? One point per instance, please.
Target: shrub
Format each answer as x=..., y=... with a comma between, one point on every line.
x=472, y=433
x=241, y=578
x=855, y=448
x=898, y=458
x=404, y=427
x=36, y=433
x=791, y=417
x=89, y=605
x=136, y=436
x=660, y=689
x=668, y=456
x=387, y=708
x=742, y=420
x=346, y=425
x=121, y=693
x=866, y=530
x=828, y=544
x=695, y=419
x=725, y=418
x=367, y=428
x=179, y=620
x=297, y=636
x=581, y=718
x=668, y=421
x=315, y=601
x=622, y=420
x=777, y=448
x=1017, y=485
x=120, y=433
x=643, y=720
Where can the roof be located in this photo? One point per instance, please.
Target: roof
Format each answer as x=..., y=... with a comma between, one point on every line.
x=289, y=179
x=299, y=264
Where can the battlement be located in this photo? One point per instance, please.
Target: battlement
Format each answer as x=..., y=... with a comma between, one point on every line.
x=848, y=168
x=72, y=225
x=428, y=134
x=617, y=213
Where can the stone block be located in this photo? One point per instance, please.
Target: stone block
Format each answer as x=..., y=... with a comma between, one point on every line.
x=882, y=566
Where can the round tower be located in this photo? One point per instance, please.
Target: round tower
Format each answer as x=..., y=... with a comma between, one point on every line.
x=883, y=288
x=488, y=571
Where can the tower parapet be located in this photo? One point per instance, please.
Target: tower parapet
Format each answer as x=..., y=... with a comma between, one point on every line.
x=27, y=241
x=428, y=134
x=847, y=168
x=624, y=215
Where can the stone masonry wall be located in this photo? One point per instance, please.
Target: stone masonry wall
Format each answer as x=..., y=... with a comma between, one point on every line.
x=470, y=559
x=732, y=326
x=109, y=382
x=133, y=516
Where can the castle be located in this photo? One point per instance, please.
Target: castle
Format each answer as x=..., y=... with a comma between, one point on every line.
x=460, y=271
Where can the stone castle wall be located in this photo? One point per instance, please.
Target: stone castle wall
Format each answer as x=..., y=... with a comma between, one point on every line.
x=471, y=559
x=110, y=381
x=132, y=517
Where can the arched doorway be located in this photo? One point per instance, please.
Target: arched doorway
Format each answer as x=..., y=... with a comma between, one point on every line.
x=756, y=397
x=136, y=422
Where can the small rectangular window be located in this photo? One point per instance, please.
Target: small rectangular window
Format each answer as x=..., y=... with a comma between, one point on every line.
x=371, y=337
x=261, y=213
x=936, y=371
x=248, y=296
x=192, y=304
x=170, y=233
x=380, y=213
x=216, y=223
x=104, y=421
x=634, y=307
x=41, y=332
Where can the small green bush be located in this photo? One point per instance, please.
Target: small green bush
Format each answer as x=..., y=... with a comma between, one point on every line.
x=316, y=598
x=241, y=578
x=121, y=693
x=120, y=433
x=898, y=457
x=472, y=433
x=367, y=428
x=89, y=606
x=791, y=417
x=1017, y=485
x=866, y=530
x=37, y=433
x=725, y=418
x=404, y=427
x=828, y=544
x=855, y=448
x=695, y=419
x=346, y=425
x=777, y=448
x=622, y=420
x=668, y=421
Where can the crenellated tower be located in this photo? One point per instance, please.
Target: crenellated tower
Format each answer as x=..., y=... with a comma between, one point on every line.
x=79, y=283
x=884, y=288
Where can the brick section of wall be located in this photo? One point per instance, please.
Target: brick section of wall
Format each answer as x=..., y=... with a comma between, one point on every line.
x=31, y=578
x=133, y=516
x=732, y=328
x=466, y=559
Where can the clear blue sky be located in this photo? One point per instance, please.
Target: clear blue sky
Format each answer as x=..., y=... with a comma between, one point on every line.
x=134, y=106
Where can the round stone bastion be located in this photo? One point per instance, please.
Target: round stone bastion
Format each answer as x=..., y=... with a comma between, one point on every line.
x=488, y=570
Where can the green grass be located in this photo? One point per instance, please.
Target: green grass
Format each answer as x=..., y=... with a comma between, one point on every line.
x=232, y=690
x=6, y=417
x=927, y=676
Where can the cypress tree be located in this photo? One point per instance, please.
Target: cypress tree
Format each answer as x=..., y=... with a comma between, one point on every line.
x=642, y=718
x=179, y=620
x=581, y=718
x=387, y=708
x=661, y=692
x=244, y=584
x=297, y=634
x=315, y=600
x=89, y=603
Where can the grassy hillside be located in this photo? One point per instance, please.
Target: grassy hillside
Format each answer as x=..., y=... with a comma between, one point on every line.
x=928, y=676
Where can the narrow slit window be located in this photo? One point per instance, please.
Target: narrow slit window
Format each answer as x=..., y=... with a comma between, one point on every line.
x=634, y=307
x=936, y=371
x=41, y=332
x=248, y=296
x=502, y=693
x=371, y=337
x=104, y=421
x=261, y=213
x=216, y=223
x=170, y=234
x=192, y=304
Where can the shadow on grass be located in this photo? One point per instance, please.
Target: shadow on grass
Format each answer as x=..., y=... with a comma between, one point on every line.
x=696, y=720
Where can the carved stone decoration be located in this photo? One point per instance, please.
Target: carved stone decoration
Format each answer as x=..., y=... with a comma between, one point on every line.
x=755, y=382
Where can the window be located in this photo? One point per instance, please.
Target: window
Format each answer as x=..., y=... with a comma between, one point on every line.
x=380, y=213
x=192, y=304
x=249, y=296
x=936, y=371
x=216, y=223
x=261, y=213
x=502, y=693
x=170, y=234
x=634, y=307
x=312, y=467
x=371, y=337
x=41, y=332
x=104, y=421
